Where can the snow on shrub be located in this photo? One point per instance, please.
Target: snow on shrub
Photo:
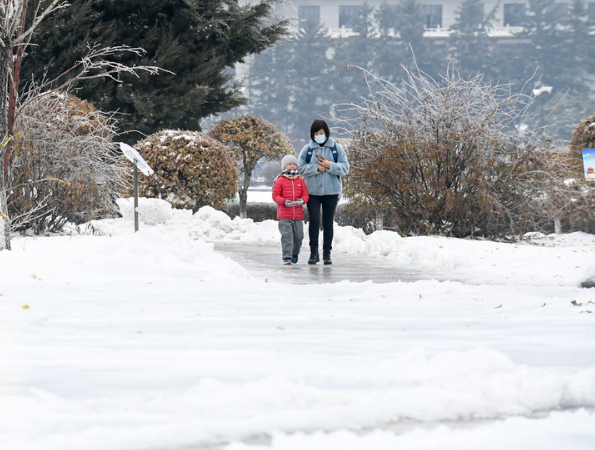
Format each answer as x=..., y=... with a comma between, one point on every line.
x=192, y=170
x=64, y=166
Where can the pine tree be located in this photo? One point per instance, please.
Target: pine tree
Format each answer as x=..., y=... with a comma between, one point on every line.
x=199, y=41
x=349, y=84
x=269, y=85
x=470, y=45
x=388, y=53
x=422, y=54
x=311, y=76
x=545, y=56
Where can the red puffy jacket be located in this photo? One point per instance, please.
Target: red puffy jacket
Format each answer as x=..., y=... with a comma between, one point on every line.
x=287, y=189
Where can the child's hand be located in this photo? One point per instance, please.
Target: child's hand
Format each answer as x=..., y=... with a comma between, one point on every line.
x=288, y=203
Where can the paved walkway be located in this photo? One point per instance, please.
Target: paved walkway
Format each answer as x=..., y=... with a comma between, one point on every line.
x=265, y=261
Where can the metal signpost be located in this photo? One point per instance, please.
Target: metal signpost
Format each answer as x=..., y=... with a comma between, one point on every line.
x=139, y=163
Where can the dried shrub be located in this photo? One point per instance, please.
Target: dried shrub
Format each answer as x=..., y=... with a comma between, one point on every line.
x=64, y=166
x=579, y=214
x=447, y=158
x=192, y=170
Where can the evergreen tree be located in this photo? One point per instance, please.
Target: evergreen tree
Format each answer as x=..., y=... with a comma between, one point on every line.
x=311, y=75
x=269, y=85
x=579, y=47
x=470, y=45
x=388, y=53
x=545, y=55
x=349, y=84
x=199, y=41
x=430, y=59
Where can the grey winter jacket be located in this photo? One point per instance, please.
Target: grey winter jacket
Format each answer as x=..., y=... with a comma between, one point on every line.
x=328, y=182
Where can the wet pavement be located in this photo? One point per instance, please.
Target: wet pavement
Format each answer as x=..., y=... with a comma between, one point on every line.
x=264, y=260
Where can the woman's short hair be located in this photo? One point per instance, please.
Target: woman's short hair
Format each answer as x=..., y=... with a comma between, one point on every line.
x=318, y=125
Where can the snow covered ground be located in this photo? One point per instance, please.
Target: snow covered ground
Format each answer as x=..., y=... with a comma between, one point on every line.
x=152, y=340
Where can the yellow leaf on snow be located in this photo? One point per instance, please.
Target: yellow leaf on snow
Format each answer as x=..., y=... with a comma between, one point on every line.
x=26, y=307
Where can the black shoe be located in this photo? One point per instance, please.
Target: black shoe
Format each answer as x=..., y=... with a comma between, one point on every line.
x=326, y=256
x=294, y=259
x=314, y=258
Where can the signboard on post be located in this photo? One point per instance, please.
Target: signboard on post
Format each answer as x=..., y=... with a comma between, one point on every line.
x=589, y=163
x=139, y=164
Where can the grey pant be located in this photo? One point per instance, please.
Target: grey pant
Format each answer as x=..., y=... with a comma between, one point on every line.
x=292, y=233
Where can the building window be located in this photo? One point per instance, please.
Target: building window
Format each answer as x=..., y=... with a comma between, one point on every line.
x=311, y=13
x=433, y=16
x=556, y=11
x=514, y=14
x=348, y=16
x=591, y=12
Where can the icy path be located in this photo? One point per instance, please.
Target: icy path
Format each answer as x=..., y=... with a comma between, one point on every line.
x=264, y=260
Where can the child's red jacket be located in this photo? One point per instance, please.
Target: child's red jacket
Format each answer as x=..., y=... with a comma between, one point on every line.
x=287, y=189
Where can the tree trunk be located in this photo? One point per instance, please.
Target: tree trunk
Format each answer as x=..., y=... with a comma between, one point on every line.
x=243, y=192
x=557, y=226
x=4, y=86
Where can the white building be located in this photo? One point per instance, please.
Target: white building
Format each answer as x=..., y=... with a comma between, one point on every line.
x=338, y=15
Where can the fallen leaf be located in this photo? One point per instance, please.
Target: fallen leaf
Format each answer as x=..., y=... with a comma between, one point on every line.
x=496, y=307
x=34, y=276
x=586, y=311
x=26, y=307
x=198, y=314
x=440, y=246
x=419, y=295
x=576, y=267
x=280, y=328
x=543, y=305
x=575, y=303
x=266, y=280
x=590, y=301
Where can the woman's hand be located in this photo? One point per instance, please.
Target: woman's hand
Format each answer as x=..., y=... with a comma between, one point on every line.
x=324, y=163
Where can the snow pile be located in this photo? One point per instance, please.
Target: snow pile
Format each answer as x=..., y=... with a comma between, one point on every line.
x=560, y=430
x=123, y=340
x=151, y=211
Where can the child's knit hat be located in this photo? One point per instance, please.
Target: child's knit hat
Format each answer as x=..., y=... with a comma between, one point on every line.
x=288, y=159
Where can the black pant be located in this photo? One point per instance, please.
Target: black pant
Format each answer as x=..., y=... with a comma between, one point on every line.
x=328, y=203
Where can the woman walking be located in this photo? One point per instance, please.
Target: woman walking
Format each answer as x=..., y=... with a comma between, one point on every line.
x=321, y=164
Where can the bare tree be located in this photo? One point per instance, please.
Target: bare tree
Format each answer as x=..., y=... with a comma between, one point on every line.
x=452, y=157
x=15, y=36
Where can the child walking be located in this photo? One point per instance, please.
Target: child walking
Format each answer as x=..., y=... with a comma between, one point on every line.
x=290, y=193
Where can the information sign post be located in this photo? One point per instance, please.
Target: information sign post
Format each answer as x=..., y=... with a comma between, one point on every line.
x=139, y=163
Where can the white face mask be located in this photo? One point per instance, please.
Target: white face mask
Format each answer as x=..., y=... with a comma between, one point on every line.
x=320, y=138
